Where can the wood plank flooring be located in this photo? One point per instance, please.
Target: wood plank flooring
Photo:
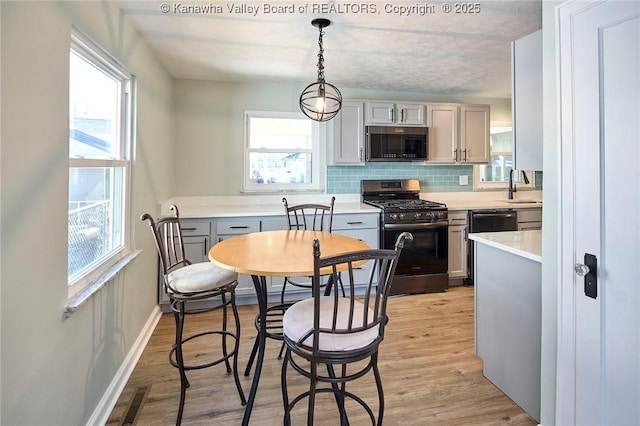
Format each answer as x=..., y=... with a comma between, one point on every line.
x=430, y=374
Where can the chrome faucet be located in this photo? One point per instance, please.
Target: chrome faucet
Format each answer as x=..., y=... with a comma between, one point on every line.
x=512, y=186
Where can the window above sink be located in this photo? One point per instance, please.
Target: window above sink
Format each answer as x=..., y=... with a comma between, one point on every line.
x=495, y=175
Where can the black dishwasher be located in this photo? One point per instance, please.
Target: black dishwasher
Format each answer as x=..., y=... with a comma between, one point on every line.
x=493, y=220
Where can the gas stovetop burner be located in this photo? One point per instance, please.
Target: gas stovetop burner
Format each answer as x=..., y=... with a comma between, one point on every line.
x=416, y=204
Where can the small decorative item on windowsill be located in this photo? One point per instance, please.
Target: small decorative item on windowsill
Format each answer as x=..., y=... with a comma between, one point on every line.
x=320, y=101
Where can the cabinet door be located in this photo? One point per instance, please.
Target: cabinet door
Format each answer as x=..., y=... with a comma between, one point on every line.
x=348, y=134
x=245, y=282
x=458, y=244
x=526, y=103
x=412, y=114
x=370, y=237
x=443, y=133
x=474, y=133
x=195, y=250
x=457, y=251
x=380, y=113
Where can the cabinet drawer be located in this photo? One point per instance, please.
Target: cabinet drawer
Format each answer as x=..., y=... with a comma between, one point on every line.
x=237, y=227
x=195, y=228
x=457, y=218
x=534, y=215
x=354, y=221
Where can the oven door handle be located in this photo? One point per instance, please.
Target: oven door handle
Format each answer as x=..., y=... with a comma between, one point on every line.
x=415, y=226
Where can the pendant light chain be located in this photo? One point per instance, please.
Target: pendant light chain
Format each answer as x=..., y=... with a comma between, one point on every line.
x=320, y=57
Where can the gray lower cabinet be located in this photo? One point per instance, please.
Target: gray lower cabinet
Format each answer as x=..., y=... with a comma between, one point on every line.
x=458, y=244
x=230, y=227
x=529, y=219
x=201, y=234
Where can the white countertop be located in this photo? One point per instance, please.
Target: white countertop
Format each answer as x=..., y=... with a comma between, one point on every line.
x=486, y=200
x=527, y=244
x=271, y=205
x=259, y=205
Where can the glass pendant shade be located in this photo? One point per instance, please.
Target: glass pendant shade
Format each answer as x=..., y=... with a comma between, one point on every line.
x=320, y=101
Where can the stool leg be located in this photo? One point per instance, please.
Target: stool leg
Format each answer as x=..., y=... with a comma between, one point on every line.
x=236, y=347
x=376, y=374
x=312, y=392
x=184, y=383
x=283, y=386
x=225, y=353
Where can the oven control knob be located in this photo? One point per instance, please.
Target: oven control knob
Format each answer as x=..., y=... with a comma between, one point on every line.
x=433, y=216
x=417, y=215
x=401, y=216
x=393, y=216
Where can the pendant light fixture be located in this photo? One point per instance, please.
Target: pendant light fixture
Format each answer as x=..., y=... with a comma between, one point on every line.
x=320, y=101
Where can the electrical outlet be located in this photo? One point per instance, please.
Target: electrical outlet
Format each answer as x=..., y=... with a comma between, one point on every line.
x=463, y=180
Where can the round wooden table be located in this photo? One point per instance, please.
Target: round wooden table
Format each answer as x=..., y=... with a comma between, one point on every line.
x=275, y=254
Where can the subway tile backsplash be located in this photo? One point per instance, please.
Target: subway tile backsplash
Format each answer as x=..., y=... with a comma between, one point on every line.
x=433, y=178
x=346, y=179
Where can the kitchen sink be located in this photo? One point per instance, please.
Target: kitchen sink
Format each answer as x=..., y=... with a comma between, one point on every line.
x=521, y=201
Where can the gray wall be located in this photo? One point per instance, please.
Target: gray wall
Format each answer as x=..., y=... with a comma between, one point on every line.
x=55, y=370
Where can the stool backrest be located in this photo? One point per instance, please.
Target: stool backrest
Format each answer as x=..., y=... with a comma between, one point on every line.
x=167, y=234
x=352, y=319
x=311, y=217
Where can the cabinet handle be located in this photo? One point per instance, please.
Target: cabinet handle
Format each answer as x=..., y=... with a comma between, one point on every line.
x=455, y=154
x=355, y=223
x=465, y=155
x=402, y=115
x=466, y=234
x=360, y=154
x=239, y=227
x=391, y=114
x=188, y=229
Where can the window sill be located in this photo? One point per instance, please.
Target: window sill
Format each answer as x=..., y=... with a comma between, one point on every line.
x=78, y=300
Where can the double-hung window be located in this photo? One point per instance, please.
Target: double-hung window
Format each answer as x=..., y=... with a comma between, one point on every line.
x=281, y=152
x=100, y=129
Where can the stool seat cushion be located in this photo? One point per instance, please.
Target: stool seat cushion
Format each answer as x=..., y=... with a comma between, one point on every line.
x=298, y=321
x=199, y=277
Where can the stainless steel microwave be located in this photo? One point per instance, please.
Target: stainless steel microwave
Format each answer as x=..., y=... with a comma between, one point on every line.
x=394, y=143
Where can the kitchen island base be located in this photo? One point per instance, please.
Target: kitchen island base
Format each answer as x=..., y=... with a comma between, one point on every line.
x=508, y=322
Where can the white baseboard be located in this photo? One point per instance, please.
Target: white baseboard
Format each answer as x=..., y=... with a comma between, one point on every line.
x=110, y=398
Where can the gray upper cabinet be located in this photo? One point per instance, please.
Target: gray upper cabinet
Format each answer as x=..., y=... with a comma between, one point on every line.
x=526, y=101
x=458, y=133
x=391, y=113
x=348, y=135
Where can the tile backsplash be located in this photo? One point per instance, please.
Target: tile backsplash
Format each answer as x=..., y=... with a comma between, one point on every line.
x=346, y=179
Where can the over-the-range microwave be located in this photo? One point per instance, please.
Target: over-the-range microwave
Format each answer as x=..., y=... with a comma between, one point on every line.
x=394, y=143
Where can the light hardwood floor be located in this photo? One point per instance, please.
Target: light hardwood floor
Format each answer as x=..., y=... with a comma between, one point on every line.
x=430, y=374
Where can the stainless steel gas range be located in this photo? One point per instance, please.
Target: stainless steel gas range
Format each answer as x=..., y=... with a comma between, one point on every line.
x=423, y=265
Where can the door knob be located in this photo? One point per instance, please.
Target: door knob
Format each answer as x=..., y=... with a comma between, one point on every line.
x=581, y=269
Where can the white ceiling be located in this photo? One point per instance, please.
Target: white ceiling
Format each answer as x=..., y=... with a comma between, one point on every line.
x=466, y=54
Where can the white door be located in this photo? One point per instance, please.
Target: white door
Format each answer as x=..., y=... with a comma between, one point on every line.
x=599, y=338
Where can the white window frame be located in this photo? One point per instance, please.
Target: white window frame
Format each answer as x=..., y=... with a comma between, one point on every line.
x=314, y=185
x=84, y=285
x=479, y=185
